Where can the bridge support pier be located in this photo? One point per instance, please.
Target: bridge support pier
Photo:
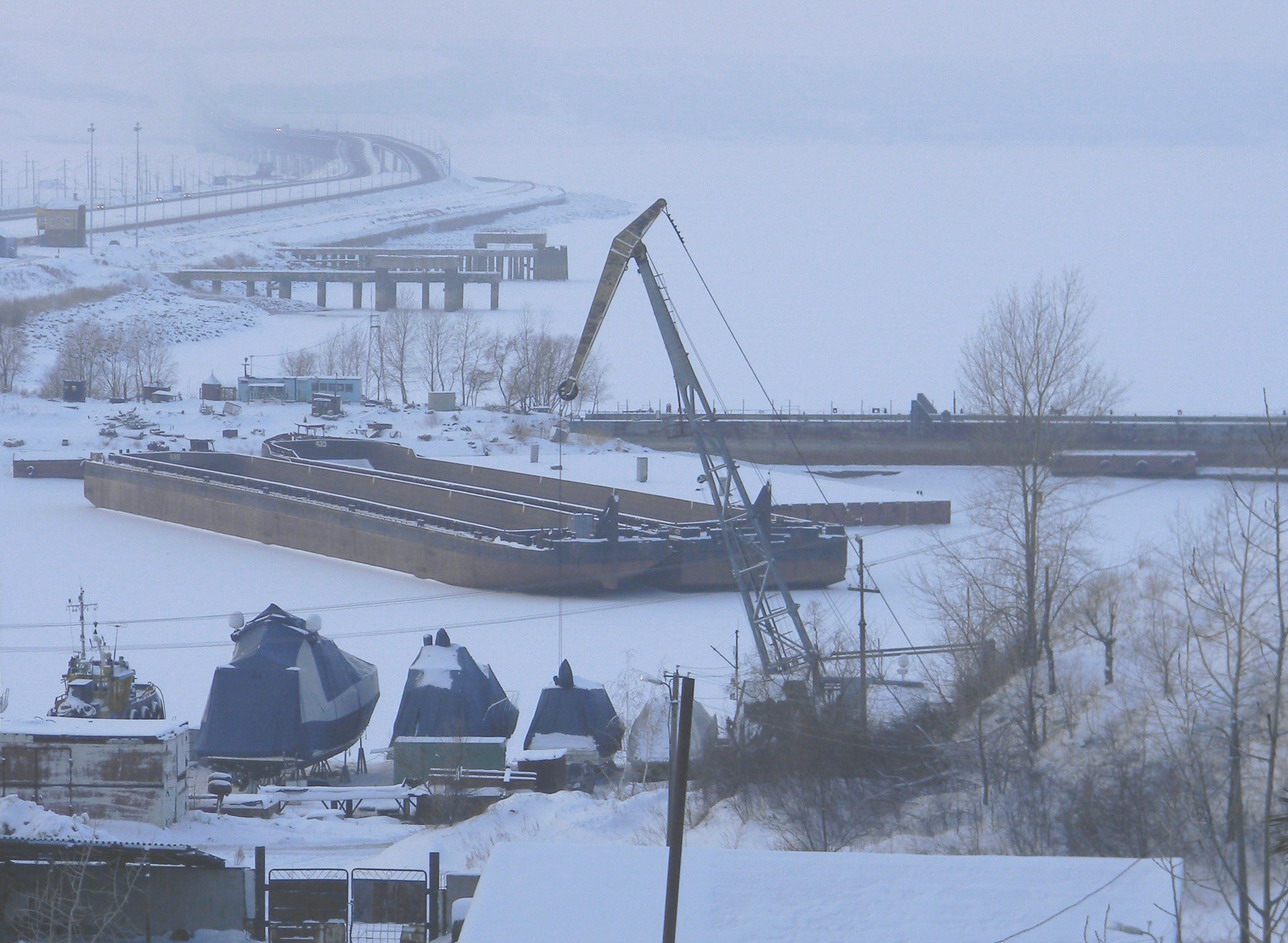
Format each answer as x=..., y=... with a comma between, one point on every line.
x=357, y=295
x=250, y=288
x=496, y=295
x=321, y=292
x=424, y=296
x=386, y=290
x=216, y=287
x=453, y=294
x=284, y=288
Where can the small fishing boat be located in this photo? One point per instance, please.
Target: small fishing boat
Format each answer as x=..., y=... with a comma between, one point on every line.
x=101, y=684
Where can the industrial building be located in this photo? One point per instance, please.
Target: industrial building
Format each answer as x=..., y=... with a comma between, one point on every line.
x=298, y=389
x=61, y=223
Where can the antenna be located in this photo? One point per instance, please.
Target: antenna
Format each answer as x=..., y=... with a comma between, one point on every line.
x=79, y=607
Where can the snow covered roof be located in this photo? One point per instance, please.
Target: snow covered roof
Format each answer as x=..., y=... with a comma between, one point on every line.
x=92, y=728
x=616, y=892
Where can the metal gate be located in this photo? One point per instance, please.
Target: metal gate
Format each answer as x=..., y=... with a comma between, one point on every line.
x=308, y=906
x=388, y=906
x=331, y=906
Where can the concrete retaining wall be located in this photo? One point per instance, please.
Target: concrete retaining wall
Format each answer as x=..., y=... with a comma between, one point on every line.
x=1235, y=443
x=872, y=513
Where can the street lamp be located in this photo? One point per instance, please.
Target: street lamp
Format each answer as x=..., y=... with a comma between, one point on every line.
x=672, y=686
x=137, y=196
x=91, y=188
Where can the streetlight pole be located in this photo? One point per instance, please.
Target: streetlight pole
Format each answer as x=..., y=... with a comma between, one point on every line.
x=91, y=188
x=138, y=198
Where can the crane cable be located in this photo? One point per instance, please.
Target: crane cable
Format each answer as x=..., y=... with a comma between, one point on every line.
x=831, y=603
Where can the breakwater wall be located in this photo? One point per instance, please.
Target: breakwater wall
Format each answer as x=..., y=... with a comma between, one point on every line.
x=958, y=440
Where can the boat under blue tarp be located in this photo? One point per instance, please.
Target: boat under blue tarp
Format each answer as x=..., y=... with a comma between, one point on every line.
x=577, y=716
x=290, y=697
x=449, y=694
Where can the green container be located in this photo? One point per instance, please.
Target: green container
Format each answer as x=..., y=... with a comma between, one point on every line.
x=414, y=757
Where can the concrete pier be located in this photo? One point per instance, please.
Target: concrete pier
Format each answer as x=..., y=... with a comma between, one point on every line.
x=384, y=279
x=522, y=258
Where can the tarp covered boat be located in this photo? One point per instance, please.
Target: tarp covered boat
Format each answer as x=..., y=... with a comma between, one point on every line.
x=289, y=698
x=575, y=715
x=449, y=694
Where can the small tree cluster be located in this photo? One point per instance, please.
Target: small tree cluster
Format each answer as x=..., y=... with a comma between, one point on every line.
x=438, y=350
x=13, y=350
x=115, y=360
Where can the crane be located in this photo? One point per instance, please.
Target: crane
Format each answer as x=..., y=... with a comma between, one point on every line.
x=787, y=653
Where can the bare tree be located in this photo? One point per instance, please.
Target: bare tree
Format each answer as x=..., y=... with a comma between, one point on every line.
x=80, y=357
x=13, y=351
x=500, y=356
x=344, y=353
x=76, y=900
x=1225, y=715
x=1096, y=614
x=399, y=332
x=593, y=383
x=435, y=350
x=299, y=363
x=150, y=355
x=468, y=356
x=530, y=364
x=1030, y=363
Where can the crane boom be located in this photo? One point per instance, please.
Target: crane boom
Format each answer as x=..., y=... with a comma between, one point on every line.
x=619, y=256
x=782, y=642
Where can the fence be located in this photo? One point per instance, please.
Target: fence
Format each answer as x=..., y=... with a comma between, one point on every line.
x=365, y=905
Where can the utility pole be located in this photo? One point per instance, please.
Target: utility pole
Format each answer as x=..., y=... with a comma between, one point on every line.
x=138, y=198
x=863, y=589
x=90, y=227
x=675, y=808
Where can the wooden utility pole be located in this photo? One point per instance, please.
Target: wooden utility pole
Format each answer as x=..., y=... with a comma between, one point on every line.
x=675, y=808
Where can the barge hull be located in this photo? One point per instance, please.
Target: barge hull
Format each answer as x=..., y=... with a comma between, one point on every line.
x=151, y=490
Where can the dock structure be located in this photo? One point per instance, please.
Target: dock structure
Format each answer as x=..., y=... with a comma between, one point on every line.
x=385, y=281
x=513, y=256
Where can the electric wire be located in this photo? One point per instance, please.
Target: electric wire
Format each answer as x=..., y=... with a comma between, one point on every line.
x=1064, y=910
x=375, y=633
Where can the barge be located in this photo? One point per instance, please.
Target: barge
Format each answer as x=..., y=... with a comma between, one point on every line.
x=465, y=525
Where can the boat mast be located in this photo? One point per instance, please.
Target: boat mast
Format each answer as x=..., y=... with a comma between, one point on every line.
x=79, y=607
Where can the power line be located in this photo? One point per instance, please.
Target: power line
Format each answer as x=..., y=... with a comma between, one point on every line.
x=373, y=633
x=1064, y=910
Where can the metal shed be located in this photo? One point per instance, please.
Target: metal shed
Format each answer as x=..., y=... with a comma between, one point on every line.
x=119, y=769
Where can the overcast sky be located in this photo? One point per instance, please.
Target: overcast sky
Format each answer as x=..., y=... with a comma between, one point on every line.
x=954, y=148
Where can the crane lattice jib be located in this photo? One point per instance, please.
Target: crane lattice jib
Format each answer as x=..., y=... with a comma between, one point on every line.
x=620, y=254
x=783, y=644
